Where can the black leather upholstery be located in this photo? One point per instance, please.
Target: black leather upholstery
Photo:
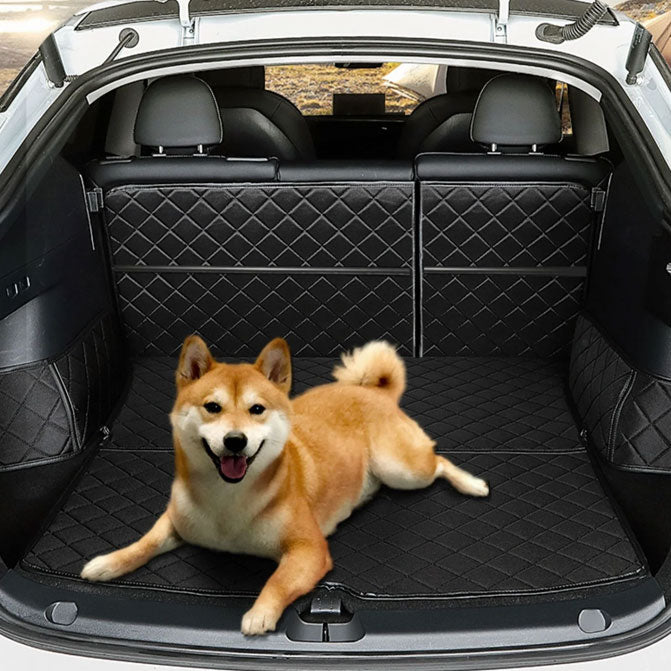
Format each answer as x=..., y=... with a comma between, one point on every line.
x=521, y=225
x=548, y=527
x=438, y=124
x=51, y=410
x=468, y=80
x=516, y=111
x=253, y=77
x=443, y=123
x=179, y=170
x=261, y=123
x=625, y=412
x=327, y=265
x=178, y=111
x=346, y=171
x=511, y=168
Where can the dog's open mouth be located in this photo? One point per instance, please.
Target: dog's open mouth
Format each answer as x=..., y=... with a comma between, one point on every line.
x=231, y=467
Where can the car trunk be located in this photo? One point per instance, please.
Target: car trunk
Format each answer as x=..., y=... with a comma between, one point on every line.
x=525, y=364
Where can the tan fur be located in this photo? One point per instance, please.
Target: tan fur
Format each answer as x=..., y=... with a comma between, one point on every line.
x=374, y=365
x=314, y=459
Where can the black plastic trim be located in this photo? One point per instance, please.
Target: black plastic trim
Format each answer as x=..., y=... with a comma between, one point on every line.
x=190, y=633
x=53, y=64
x=417, y=271
x=569, y=271
x=575, y=271
x=252, y=270
x=589, y=316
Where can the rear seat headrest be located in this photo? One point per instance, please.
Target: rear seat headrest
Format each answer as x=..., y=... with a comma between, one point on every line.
x=467, y=80
x=516, y=111
x=253, y=77
x=178, y=111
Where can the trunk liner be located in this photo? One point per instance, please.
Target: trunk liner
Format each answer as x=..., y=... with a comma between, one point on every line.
x=548, y=525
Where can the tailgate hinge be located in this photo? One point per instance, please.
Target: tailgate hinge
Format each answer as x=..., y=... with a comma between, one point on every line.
x=501, y=22
x=95, y=200
x=598, y=199
x=188, y=24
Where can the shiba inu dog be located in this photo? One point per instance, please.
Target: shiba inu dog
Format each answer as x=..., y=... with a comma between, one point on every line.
x=260, y=474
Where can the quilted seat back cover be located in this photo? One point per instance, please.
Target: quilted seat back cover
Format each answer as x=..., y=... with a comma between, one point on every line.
x=325, y=266
x=442, y=269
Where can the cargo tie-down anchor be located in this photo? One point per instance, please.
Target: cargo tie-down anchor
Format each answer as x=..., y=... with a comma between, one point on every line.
x=325, y=621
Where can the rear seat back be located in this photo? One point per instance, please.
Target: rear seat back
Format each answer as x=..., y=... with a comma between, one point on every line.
x=326, y=265
x=177, y=122
x=490, y=260
x=505, y=237
x=321, y=255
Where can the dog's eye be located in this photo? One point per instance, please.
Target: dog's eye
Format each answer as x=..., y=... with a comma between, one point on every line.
x=257, y=409
x=212, y=407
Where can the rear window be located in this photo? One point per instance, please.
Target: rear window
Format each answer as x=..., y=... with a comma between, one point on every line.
x=564, y=110
x=312, y=87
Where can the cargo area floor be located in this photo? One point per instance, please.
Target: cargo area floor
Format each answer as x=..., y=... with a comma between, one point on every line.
x=547, y=527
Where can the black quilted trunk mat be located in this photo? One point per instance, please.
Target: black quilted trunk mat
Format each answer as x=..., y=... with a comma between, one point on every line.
x=547, y=526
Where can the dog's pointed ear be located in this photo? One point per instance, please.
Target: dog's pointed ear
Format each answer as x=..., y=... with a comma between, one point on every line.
x=194, y=361
x=275, y=363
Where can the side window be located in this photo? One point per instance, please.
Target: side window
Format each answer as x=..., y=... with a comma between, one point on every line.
x=564, y=110
x=311, y=87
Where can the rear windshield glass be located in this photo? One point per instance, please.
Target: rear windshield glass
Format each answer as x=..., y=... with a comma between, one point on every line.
x=323, y=89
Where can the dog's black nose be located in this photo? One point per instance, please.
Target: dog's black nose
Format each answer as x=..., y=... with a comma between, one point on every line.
x=235, y=441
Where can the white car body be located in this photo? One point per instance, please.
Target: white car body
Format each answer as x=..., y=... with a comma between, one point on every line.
x=604, y=46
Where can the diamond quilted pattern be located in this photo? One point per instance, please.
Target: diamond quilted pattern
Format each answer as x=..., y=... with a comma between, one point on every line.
x=598, y=378
x=487, y=403
x=33, y=420
x=644, y=437
x=547, y=526
x=465, y=403
x=361, y=225
x=505, y=225
x=627, y=413
x=93, y=374
x=118, y=500
x=238, y=314
x=492, y=315
x=143, y=419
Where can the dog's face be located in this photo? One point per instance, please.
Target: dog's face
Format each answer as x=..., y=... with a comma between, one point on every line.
x=234, y=418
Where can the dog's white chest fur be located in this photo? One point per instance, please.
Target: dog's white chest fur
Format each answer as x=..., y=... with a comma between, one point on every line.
x=226, y=518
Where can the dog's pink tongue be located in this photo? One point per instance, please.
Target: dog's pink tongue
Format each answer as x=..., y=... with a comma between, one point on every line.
x=234, y=467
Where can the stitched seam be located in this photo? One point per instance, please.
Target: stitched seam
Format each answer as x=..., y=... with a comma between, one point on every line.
x=69, y=408
x=492, y=184
x=615, y=419
x=443, y=595
x=617, y=350
x=273, y=185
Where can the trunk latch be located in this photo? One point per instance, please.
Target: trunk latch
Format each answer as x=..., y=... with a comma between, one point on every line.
x=325, y=621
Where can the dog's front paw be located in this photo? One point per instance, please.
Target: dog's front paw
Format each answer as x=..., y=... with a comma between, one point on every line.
x=102, y=568
x=259, y=620
x=473, y=486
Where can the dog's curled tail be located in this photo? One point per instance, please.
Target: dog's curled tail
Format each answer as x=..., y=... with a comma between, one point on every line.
x=373, y=365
